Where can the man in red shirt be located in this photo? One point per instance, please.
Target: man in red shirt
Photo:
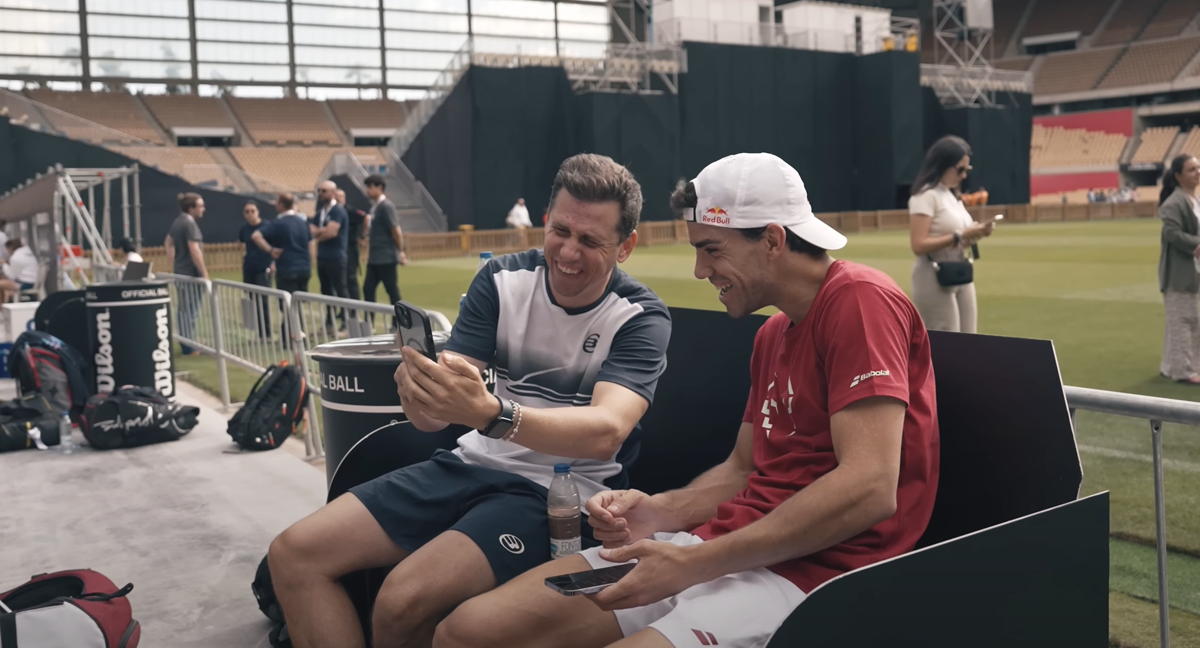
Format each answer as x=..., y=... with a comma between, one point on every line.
x=835, y=465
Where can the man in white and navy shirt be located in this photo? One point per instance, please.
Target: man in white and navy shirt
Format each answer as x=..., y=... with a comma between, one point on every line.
x=578, y=347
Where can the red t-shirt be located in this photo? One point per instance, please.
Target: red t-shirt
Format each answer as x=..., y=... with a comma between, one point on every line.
x=861, y=338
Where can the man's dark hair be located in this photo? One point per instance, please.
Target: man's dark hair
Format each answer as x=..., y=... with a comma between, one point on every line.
x=375, y=180
x=187, y=201
x=684, y=200
x=126, y=245
x=598, y=178
x=13, y=243
x=286, y=200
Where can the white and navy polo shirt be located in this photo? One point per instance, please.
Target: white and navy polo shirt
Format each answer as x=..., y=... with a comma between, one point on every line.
x=549, y=356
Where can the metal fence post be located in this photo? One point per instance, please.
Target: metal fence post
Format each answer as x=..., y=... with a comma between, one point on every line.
x=1160, y=528
x=218, y=344
x=313, y=443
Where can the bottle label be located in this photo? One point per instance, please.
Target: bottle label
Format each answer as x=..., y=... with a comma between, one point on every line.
x=563, y=547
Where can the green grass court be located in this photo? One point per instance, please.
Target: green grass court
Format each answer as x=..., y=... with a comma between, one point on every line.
x=1091, y=287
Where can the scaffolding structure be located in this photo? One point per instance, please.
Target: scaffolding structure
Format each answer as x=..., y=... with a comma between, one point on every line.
x=963, y=47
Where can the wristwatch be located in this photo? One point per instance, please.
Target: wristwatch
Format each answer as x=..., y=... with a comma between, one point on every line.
x=957, y=239
x=503, y=423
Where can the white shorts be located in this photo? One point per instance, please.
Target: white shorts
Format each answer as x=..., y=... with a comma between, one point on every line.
x=740, y=610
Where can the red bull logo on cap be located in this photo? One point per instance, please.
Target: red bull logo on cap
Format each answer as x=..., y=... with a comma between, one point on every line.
x=715, y=216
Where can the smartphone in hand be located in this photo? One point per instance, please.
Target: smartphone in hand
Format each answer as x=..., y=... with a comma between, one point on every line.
x=588, y=582
x=413, y=329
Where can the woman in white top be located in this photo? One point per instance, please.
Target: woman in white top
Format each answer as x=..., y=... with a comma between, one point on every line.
x=126, y=245
x=941, y=231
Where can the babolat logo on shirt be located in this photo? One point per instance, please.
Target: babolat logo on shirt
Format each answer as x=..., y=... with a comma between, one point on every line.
x=869, y=374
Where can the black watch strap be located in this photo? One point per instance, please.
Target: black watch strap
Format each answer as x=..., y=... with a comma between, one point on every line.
x=501, y=424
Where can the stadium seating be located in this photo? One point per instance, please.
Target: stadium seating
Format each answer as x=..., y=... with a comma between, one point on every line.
x=113, y=110
x=1126, y=23
x=294, y=169
x=1155, y=62
x=285, y=121
x=1073, y=71
x=1154, y=144
x=1191, y=146
x=1074, y=147
x=1021, y=63
x=1171, y=19
x=187, y=111
x=1058, y=16
x=379, y=113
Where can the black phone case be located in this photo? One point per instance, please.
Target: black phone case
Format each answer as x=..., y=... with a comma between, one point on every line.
x=414, y=330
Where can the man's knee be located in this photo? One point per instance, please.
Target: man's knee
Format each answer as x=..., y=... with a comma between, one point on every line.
x=468, y=627
x=294, y=555
x=401, y=611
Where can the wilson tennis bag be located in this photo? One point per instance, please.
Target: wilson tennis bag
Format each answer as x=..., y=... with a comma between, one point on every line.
x=28, y=421
x=43, y=363
x=79, y=608
x=134, y=416
x=273, y=409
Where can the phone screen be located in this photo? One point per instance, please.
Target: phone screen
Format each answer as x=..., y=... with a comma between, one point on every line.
x=413, y=329
x=588, y=582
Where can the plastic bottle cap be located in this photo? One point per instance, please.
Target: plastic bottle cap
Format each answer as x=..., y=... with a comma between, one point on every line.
x=485, y=255
x=562, y=468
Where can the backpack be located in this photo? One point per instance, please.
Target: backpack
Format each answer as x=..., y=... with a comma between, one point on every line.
x=272, y=410
x=18, y=419
x=264, y=593
x=43, y=363
x=79, y=608
x=134, y=416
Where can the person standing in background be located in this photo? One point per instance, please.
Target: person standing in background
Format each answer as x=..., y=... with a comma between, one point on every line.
x=256, y=267
x=384, y=245
x=1178, y=269
x=289, y=241
x=518, y=216
x=356, y=238
x=20, y=268
x=942, y=231
x=331, y=229
x=186, y=257
x=127, y=247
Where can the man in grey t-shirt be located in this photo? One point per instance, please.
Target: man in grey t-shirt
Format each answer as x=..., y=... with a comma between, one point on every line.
x=186, y=257
x=385, y=243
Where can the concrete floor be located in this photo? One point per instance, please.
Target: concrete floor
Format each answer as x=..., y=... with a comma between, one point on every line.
x=186, y=522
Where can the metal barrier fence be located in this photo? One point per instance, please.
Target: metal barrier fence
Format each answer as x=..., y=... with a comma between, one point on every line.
x=1157, y=411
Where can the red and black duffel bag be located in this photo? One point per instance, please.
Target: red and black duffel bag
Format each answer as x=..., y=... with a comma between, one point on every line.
x=79, y=608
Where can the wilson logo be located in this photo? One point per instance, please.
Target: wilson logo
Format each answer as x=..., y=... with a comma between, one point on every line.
x=512, y=543
x=869, y=375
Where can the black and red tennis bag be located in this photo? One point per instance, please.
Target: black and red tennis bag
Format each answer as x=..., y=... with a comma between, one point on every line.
x=28, y=421
x=134, y=416
x=79, y=608
x=273, y=409
x=45, y=364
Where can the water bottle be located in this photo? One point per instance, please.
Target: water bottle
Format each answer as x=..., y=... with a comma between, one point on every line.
x=66, y=444
x=484, y=257
x=563, y=507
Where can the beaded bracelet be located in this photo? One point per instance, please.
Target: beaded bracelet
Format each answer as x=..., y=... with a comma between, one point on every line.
x=516, y=423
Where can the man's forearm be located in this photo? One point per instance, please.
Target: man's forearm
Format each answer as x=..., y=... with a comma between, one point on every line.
x=397, y=238
x=838, y=506
x=697, y=502
x=578, y=432
x=198, y=259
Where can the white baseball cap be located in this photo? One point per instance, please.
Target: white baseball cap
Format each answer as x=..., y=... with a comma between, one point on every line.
x=751, y=190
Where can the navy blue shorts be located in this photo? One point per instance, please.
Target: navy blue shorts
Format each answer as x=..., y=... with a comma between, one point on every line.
x=504, y=514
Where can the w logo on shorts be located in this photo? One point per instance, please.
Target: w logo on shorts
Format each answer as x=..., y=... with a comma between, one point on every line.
x=706, y=638
x=512, y=543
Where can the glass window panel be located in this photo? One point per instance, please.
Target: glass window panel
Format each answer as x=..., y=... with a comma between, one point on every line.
x=411, y=78
x=509, y=27
x=426, y=41
x=425, y=22
x=343, y=36
x=128, y=48
x=39, y=21
x=576, y=49
x=366, y=4
x=234, y=10
x=241, y=32
x=146, y=88
x=337, y=56
x=419, y=60
x=241, y=53
x=39, y=45
x=143, y=69
x=60, y=5
x=357, y=76
x=582, y=13
x=176, y=8
x=335, y=16
x=147, y=27
x=404, y=95
x=46, y=66
x=232, y=71
x=269, y=92
x=578, y=31
x=514, y=8
x=440, y=6
x=526, y=46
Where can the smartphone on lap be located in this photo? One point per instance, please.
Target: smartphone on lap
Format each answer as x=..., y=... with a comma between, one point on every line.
x=588, y=582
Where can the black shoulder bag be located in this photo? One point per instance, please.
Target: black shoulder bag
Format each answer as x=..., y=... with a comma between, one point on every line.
x=955, y=273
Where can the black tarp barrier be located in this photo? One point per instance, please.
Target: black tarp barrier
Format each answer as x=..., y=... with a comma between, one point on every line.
x=640, y=132
x=887, y=129
x=440, y=155
x=31, y=152
x=1000, y=138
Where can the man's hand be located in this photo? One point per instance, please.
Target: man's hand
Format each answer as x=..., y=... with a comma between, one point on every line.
x=623, y=517
x=403, y=259
x=450, y=389
x=276, y=253
x=1196, y=252
x=663, y=570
